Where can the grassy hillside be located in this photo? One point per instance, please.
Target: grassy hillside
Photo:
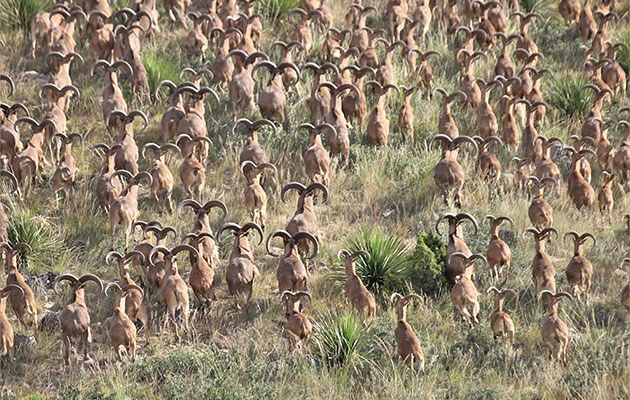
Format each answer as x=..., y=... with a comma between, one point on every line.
x=388, y=194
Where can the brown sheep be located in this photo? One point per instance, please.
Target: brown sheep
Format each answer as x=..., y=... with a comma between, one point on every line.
x=449, y=176
x=464, y=293
x=74, y=318
x=554, y=332
x=456, y=243
x=241, y=270
x=316, y=157
x=498, y=253
x=291, y=272
x=409, y=347
x=580, y=270
x=543, y=271
x=500, y=322
x=255, y=196
x=6, y=330
x=605, y=197
x=540, y=211
x=354, y=291
x=297, y=326
x=162, y=183
x=122, y=331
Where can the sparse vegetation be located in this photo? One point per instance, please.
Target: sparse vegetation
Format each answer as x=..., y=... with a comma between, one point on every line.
x=385, y=202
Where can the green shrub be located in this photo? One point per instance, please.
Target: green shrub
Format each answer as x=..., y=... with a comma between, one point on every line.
x=274, y=10
x=623, y=55
x=159, y=67
x=49, y=251
x=568, y=96
x=530, y=6
x=340, y=339
x=427, y=272
x=17, y=14
x=387, y=269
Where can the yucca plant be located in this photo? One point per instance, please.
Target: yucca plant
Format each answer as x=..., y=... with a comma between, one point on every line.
x=17, y=14
x=49, y=251
x=570, y=98
x=530, y=6
x=388, y=267
x=340, y=339
x=273, y=10
x=159, y=67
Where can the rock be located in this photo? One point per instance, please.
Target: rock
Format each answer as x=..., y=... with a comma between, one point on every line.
x=42, y=283
x=24, y=344
x=50, y=321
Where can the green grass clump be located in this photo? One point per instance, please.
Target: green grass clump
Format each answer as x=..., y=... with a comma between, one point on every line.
x=428, y=273
x=273, y=10
x=160, y=67
x=570, y=98
x=530, y=6
x=17, y=14
x=340, y=339
x=623, y=54
x=49, y=250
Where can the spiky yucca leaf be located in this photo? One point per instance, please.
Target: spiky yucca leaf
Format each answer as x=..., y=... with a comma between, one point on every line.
x=274, y=10
x=17, y=14
x=569, y=97
x=160, y=67
x=340, y=339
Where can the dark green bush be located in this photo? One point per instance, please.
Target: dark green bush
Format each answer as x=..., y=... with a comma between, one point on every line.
x=623, y=55
x=427, y=272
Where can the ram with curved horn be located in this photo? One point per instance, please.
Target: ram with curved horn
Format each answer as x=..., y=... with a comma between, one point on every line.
x=272, y=99
x=175, y=111
x=253, y=151
x=74, y=318
x=456, y=243
x=134, y=308
x=241, y=271
x=122, y=331
x=498, y=253
x=201, y=224
x=449, y=175
x=291, y=272
x=554, y=331
x=193, y=123
x=173, y=289
x=500, y=322
x=545, y=167
x=7, y=337
x=106, y=189
x=202, y=277
x=27, y=163
x=127, y=155
x=339, y=139
x=540, y=211
x=25, y=304
x=446, y=123
x=64, y=177
x=10, y=143
x=61, y=76
x=112, y=96
x=55, y=112
x=304, y=219
x=542, y=268
x=241, y=86
x=579, y=189
x=316, y=157
x=580, y=270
